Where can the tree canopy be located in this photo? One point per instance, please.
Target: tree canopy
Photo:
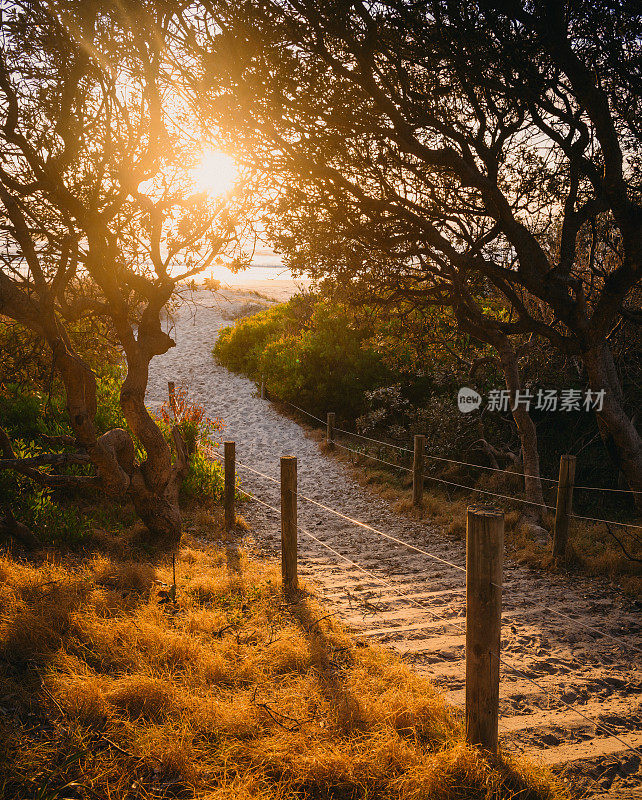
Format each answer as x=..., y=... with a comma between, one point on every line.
x=449, y=152
x=99, y=221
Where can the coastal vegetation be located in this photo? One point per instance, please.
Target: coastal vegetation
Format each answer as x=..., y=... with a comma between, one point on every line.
x=394, y=372
x=55, y=506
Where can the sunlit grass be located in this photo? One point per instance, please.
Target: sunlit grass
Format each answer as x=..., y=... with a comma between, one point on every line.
x=230, y=691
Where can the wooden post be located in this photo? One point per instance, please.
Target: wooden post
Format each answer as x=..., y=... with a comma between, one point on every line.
x=484, y=557
x=262, y=388
x=418, y=470
x=288, y=524
x=171, y=390
x=230, y=475
x=564, y=506
x=329, y=437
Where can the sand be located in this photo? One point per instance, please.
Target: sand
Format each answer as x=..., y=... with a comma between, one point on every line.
x=554, y=667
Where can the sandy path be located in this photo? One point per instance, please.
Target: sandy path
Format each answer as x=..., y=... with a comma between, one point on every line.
x=416, y=604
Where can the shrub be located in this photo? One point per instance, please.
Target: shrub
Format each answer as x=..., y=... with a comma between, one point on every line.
x=240, y=347
x=204, y=479
x=54, y=516
x=308, y=352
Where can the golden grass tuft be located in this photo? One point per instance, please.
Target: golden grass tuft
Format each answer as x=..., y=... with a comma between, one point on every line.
x=226, y=691
x=141, y=696
x=128, y=575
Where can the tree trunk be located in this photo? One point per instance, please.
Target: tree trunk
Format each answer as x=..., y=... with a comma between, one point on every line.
x=154, y=485
x=620, y=437
x=526, y=430
x=480, y=328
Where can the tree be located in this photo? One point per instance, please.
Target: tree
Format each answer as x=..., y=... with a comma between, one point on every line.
x=458, y=151
x=97, y=209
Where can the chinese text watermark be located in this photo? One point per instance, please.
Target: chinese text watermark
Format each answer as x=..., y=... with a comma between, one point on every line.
x=542, y=400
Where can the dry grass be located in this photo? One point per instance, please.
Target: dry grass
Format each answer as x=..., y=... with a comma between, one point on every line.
x=592, y=549
x=112, y=689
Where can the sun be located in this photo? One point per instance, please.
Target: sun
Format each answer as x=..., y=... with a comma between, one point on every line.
x=216, y=173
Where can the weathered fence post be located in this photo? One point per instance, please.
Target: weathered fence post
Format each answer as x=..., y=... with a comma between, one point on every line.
x=288, y=524
x=329, y=437
x=418, y=470
x=171, y=390
x=564, y=506
x=484, y=557
x=262, y=388
x=230, y=475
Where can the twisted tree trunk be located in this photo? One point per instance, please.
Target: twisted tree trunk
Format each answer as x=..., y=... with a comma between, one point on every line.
x=153, y=485
x=620, y=436
x=471, y=320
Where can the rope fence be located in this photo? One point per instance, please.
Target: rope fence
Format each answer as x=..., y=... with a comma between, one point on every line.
x=468, y=464
x=475, y=726
x=358, y=567
x=253, y=470
x=401, y=542
x=483, y=571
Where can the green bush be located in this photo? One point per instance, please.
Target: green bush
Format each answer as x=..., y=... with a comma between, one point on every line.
x=204, y=479
x=309, y=352
x=21, y=412
x=241, y=346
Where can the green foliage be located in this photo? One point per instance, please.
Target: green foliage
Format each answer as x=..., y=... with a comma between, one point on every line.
x=308, y=352
x=204, y=479
x=109, y=413
x=393, y=372
x=241, y=346
x=55, y=517
x=21, y=411
x=53, y=522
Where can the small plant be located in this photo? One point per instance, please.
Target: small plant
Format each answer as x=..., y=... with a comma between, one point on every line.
x=204, y=478
x=55, y=523
x=194, y=424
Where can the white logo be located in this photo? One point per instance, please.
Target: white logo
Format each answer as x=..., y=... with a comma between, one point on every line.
x=468, y=400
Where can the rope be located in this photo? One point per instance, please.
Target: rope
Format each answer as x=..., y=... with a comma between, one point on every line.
x=617, y=639
x=370, y=527
x=245, y=466
x=607, y=489
x=411, y=600
x=381, y=533
x=449, y=483
x=492, y=494
x=303, y=411
x=446, y=460
x=262, y=502
x=607, y=521
x=361, y=569
x=374, y=458
x=358, y=522
x=369, y=439
x=492, y=469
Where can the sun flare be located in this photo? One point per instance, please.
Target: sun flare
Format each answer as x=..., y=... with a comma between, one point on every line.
x=216, y=173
